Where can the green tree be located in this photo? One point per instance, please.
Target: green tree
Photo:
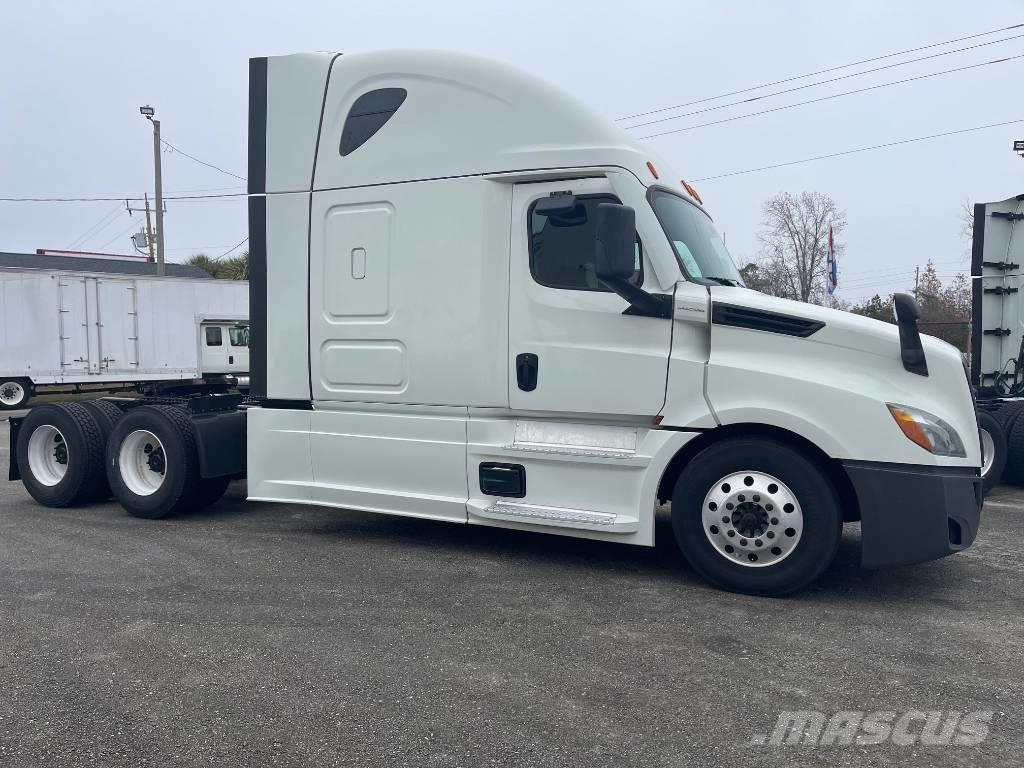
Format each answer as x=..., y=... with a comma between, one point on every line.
x=876, y=307
x=233, y=268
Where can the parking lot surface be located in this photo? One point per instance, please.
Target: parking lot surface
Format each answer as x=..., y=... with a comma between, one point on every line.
x=261, y=634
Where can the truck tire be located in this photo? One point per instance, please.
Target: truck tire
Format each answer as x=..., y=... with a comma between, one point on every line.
x=14, y=393
x=1013, y=471
x=60, y=454
x=753, y=515
x=1007, y=415
x=152, y=463
x=993, y=449
x=106, y=415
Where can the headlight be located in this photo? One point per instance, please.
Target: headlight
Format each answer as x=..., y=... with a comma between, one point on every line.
x=928, y=431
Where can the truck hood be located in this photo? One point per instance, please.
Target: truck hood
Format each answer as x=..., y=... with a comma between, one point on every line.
x=837, y=378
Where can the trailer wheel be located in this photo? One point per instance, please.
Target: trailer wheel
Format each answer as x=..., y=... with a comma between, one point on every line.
x=152, y=464
x=756, y=516
x=993, y=450
x=60, y=454
x=14, y=393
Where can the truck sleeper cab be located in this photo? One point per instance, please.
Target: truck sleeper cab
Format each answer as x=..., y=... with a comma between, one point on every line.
x=474, y=300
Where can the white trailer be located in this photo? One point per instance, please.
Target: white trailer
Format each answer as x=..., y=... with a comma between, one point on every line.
x=62, y=331
x=474, y=300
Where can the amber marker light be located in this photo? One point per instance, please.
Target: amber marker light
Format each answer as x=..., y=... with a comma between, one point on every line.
x=693, y=192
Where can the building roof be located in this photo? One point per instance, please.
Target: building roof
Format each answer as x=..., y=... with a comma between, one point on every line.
x=103, y=266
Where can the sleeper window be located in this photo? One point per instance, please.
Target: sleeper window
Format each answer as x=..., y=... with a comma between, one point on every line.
x=562, y=246
x=214, y=338
x=368, y=115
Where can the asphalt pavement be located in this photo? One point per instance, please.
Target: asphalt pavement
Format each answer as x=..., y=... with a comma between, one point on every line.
x=267, y=634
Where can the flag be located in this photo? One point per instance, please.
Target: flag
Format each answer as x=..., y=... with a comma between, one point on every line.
x=833, y=271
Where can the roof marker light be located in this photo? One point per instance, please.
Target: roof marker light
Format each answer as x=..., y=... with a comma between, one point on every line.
x=652, y=169
x=693, y=192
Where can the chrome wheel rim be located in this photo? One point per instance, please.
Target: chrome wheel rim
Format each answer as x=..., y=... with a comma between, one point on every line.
x=142, y=462
x=47, y=455
x=11, y=393
x=752, y=519
x=988, y=452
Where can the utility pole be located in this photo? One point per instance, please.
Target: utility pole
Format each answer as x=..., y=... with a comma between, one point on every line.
x=917, y=278
x=149, y=229
x=148, y=112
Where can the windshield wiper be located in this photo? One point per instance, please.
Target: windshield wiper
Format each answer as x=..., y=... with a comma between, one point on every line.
x=725, y=281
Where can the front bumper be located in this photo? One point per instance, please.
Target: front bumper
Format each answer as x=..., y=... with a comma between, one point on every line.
x=910, y=514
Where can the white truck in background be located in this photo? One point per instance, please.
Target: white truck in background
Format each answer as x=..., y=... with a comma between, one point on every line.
x=474, y=300
x=63, y=331
x=997, y=336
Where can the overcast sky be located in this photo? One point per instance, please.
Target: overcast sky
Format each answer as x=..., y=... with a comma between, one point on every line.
x=74, y=74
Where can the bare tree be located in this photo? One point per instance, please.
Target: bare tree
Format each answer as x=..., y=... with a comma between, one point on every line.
x=794, y=244
x=967, y=220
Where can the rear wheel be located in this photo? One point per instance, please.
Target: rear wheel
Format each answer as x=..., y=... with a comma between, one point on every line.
x=14, y=393
x=756, y=516
x=60, y=454
x=106, y=415
x=152, y=464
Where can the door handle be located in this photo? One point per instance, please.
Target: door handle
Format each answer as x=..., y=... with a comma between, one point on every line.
x=527, y=368
x=231, y=359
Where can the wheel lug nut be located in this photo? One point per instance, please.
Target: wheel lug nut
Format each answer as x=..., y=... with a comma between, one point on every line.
x=775, y=521
x=743, y=542
x=770, y=535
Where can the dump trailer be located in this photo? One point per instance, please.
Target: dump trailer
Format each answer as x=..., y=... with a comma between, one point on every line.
x=474, y=300
x=997, y=336
x=65, y=331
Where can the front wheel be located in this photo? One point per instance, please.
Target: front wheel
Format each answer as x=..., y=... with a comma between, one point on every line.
x=754, y=515
x=14, y=393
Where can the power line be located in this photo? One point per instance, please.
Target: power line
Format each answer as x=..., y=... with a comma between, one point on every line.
x=107, y=219
x=119, y=235
x=821, y=72
x=111, y=199
x=832, y=96
x=201, y=162
x=832, y=80
x=235, y=247
x=859, y=149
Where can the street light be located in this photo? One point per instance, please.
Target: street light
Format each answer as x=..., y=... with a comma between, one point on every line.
x=148, y=112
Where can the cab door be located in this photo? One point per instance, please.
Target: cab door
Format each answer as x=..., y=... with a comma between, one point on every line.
x=238, y=348
x=214, y=346
x=572, y=349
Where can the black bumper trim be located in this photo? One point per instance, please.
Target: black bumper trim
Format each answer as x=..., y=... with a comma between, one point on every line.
x=912, y=513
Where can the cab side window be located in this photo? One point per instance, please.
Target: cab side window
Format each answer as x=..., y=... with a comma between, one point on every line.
x=214, y=337
x=238, y=336
x=562, y=246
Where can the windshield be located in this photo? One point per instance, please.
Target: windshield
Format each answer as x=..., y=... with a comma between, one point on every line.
x=697, y=243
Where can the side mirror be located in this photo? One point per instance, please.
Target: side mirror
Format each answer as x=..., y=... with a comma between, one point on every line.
x=615, y=235
x=906, y=312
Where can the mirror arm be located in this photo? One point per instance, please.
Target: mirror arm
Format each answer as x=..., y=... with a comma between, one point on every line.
x=641, y=302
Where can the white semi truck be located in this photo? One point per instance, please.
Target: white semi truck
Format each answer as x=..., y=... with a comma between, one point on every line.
x=66, y=330
x=474, y=300
x=997, y=336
